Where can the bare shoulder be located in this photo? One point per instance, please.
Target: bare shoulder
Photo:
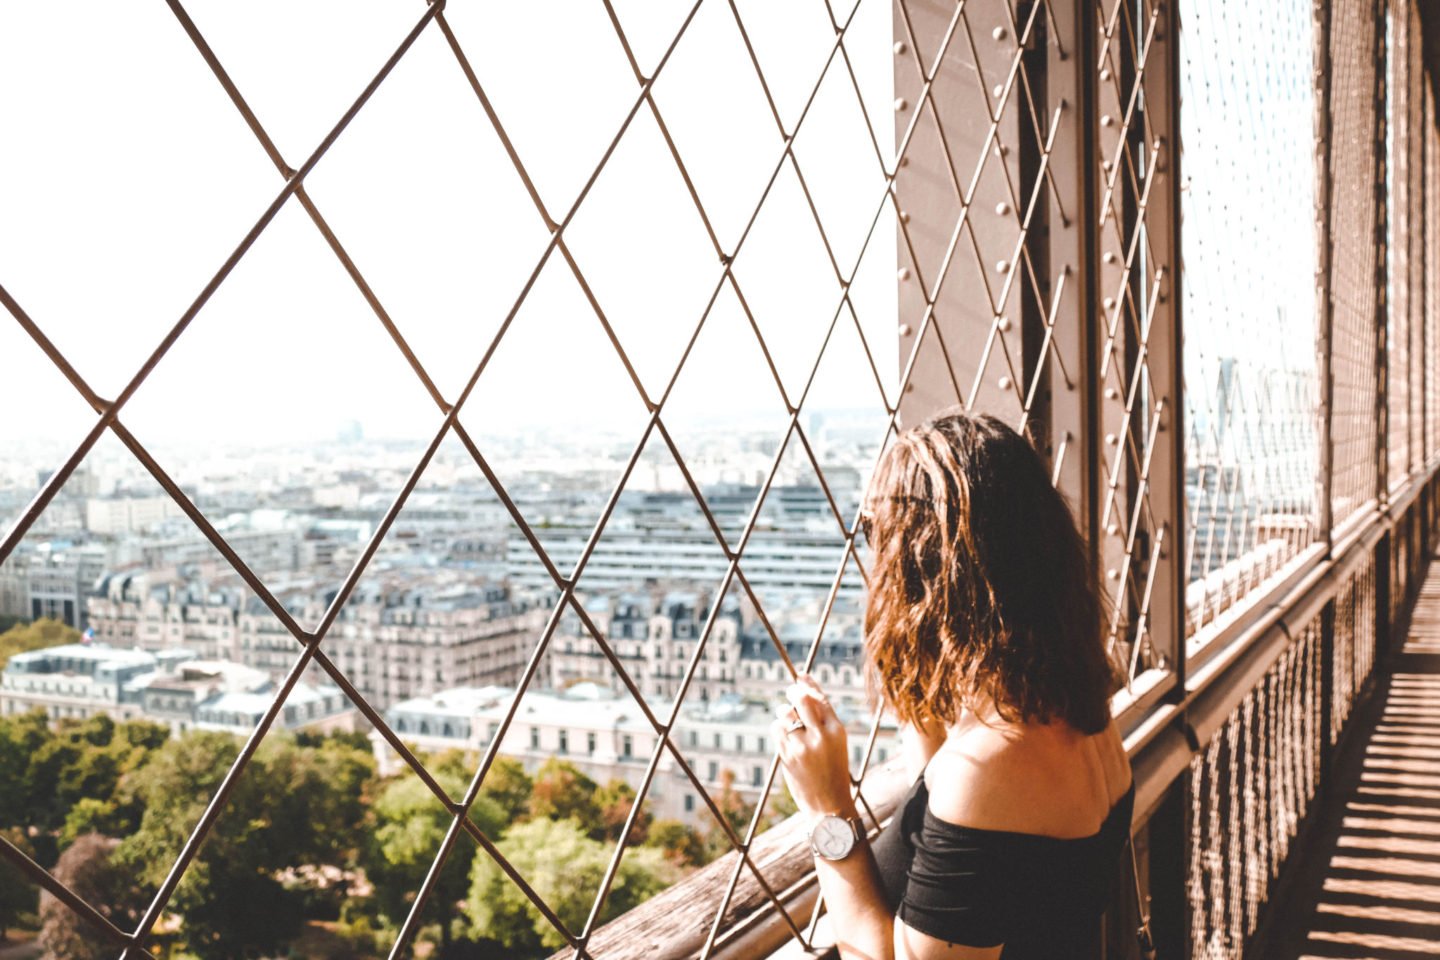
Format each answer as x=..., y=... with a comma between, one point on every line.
x=1047, y=780
x=976, y=777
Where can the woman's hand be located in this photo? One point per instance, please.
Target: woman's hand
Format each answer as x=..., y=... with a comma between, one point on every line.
x=815, y=756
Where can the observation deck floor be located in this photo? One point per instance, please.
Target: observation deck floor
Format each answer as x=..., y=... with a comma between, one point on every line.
x=1369, y=886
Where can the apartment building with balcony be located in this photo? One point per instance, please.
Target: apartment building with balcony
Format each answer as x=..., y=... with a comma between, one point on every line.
x=726, y=742
x=406, y=633
x=654, y=635
x=172, y=686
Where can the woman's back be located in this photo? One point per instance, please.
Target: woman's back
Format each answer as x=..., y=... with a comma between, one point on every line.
x=1012, y=836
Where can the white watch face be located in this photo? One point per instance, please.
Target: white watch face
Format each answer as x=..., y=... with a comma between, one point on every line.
x=833, y=838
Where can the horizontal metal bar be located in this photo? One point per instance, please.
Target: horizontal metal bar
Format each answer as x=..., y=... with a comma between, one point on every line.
x=1252, y=612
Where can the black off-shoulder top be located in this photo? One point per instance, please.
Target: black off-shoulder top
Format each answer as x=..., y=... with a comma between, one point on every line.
x=1040, y=896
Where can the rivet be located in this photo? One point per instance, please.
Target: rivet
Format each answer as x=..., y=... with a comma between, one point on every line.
x=1104, y=73
x=901, y=104
x=904, y=273
x=1108, y=303
x=1111, y=439
x=904, y=216
x=904, y=161
x=900, y=48
x=1001, y=149
x=1113, y=529
x=1004, y=383
x=999, y=90
x=1003, y=323
x=1107, y=120
x=1002, y=208
x=1111, y=393
x=998, y=33
x=1159, y=143
x=1113, y=574
x=909, y=388
x=1108, y=257
x=1002, y=266
x=904, y=329
x=1106, y=166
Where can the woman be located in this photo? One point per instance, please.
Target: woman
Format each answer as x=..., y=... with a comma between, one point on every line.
x=983, y=636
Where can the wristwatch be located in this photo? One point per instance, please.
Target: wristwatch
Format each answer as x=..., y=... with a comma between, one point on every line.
x=833, y=837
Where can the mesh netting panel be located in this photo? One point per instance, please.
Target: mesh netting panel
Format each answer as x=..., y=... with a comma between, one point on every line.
x=1250, y=362
x=1430, y=143
x=1356, y=47
x=1133, y=264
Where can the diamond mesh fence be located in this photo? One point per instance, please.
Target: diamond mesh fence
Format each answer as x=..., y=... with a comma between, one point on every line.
x=785, y=219
x=1135, y=380
x=754, y=149
x=1251, y=381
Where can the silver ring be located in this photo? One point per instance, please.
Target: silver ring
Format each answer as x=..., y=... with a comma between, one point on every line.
x=793, y=725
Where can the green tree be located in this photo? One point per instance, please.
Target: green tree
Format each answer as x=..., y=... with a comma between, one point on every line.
x=290, y=808
x=21, y=738
x=562, y=792
x=89, y=816
x=18, y=895
x=506, y=783
x=146, y=734
x=565, y=867
x=509, y=787
x=614, y=801
x=736, y=811
x=42, y=633
x=82, y=761
x=680, y=842
x=409, y=825
x=87, y=868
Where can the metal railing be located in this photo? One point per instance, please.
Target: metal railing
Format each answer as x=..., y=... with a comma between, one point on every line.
x=1260, y=524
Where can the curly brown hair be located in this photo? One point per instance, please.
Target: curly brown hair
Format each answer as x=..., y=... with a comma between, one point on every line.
x=981, y=586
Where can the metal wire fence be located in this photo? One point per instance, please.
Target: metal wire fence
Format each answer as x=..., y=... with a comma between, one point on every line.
x=1251, y=379
x=780, y=189
x=1025, y=198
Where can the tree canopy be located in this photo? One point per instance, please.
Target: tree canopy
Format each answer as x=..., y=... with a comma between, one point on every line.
x=42, y=633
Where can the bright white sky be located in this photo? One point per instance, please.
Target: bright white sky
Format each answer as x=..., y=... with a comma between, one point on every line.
x=128, y=177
